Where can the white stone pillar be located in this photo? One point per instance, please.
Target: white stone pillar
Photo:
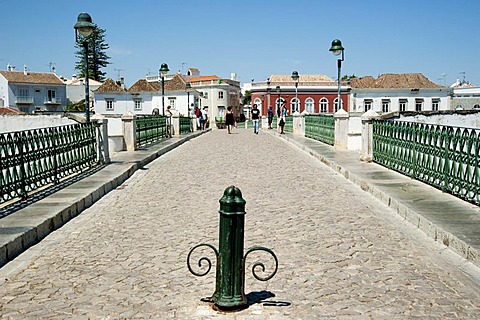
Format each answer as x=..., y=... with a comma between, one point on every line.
x=101, y=124
x=341, y=129
x=129, y=131
x=174, y=122
x=298, y=123
x=367, y=135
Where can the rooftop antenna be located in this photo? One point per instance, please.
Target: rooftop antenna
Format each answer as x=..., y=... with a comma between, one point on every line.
x=118, y=72
x=183, y=63
x=442, y=78
x=463, y=81
x=51, y=67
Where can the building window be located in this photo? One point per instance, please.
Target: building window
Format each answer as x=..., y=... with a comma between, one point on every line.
x=171, y=103
x=258, y=102
x=294, y=105
x=336, y=105
x=51, y=95
x=23, y=93
x=435, y=104
x=323, y=105
x=477, y=106
x=310, y=105
x=138, y=104
x=109, y=104
x=367, y=105
x=385, y=105
x=220, y=95
x=205, y=95
x=418, y=104
x=402, y=105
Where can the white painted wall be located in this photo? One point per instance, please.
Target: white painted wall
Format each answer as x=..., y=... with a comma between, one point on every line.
x=10, y=123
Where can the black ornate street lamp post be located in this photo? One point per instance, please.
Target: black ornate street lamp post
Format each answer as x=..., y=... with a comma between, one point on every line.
x=188, y=87
x=163, y=71
x=85, y=26
x=278, y=100
x=295, y=78
x=337, y=49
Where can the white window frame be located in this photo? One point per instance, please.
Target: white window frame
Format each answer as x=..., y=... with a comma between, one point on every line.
x=137, y=104
x=336, y=106
x=385, y=105
x=367, y=105
x=418, y=105
x=220, y=95
x=109, y=104
x=294, y=105
x=402, y=105
x=323, y=105
x=435, y=104
x=310, y=105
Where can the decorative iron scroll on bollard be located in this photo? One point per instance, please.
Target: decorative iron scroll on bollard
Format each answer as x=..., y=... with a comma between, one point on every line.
x=230, y=278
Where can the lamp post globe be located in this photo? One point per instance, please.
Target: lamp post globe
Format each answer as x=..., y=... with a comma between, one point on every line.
x=85, y=27
x=338, y=49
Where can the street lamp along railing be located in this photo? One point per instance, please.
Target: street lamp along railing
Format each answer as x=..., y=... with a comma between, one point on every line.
x=163, y=72
x=188, y=87
x=295, y=78
x=85, y=27
x=338, y=49
x=279, y=90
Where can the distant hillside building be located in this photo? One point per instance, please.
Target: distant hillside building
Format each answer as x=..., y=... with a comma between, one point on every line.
x=398, y=92
x=466, y=96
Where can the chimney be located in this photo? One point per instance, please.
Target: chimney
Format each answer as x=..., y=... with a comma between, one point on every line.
x=122, y=82
x=233, y=76
x=9, y=67
x=25, y=69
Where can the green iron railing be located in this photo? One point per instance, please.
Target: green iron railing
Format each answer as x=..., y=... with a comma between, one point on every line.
x=320, y=127
x=288, y=124
x=445, y=157
x=150, y=129
x=185, y=125
x=32, y=159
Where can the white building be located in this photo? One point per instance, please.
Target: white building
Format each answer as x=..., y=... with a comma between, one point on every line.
x=76, y=88
x=398, y=92
x=181, y=92
x=466, y=96
x=32, y=91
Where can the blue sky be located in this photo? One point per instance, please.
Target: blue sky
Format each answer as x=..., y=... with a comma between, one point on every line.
x=253, y=39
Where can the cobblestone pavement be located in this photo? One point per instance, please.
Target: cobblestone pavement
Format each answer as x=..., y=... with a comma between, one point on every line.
x=342, y=254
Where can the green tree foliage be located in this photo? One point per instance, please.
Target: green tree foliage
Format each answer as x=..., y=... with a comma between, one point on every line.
x=79, y=106
x=97, y=57
x=247, y=97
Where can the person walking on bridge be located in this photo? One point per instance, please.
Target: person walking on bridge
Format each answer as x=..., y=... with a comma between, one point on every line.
x=255, y=116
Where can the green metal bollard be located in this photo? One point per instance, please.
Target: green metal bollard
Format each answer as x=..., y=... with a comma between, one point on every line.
x=230, y=272
x=230, y=278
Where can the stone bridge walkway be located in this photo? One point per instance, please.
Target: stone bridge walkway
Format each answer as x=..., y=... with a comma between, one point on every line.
x=342, y=253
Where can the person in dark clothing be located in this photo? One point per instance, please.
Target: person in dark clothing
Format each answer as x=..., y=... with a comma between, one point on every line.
x=255, y=118
x=270, y=117
x=229, y=119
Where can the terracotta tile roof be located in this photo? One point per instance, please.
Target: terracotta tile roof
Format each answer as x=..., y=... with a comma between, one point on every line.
x=7, y=110
x=143, y=85
x=109, y=86
x=394, y=81
x=203, y=78
x=303, y=78
x=31, y=77
x=176, y=84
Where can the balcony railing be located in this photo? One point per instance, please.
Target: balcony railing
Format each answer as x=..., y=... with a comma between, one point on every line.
x=24, y=100
x=53, y=101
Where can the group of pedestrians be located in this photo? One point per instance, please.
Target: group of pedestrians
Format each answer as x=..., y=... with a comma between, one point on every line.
x=202, y=118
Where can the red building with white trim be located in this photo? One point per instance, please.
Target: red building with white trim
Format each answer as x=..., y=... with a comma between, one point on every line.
x=315, y=94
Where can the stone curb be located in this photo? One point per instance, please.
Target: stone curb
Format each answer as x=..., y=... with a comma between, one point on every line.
x=415, y=218
x=28, y=226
